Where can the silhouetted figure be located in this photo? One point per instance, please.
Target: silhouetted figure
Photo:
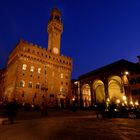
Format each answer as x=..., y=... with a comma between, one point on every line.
x=11, y=110
x=112, y=112
x=44, y=109
x=75, y=107
x=100, y=110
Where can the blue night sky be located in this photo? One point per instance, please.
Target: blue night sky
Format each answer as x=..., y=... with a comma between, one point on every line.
x=96, y=32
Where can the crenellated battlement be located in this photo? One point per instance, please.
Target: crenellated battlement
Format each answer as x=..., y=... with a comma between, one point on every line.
x=36, y=52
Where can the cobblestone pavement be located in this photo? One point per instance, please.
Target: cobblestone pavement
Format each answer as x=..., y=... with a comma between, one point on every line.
x=67, y=125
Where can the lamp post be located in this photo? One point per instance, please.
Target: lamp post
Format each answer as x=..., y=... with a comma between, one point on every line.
x=126, y=85
x=107, y=103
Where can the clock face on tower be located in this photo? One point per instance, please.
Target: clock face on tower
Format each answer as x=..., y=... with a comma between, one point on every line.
x=55, y=50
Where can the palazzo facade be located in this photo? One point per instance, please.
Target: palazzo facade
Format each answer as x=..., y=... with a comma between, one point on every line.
x=35, y=74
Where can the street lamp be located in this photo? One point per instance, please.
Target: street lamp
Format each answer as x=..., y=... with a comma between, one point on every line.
x=126, y=72
x=131, y=103
x=125, y=102
x=136, y=103
x=108, y=100
x=73, y=99
x=124, y=98
x=118, y=101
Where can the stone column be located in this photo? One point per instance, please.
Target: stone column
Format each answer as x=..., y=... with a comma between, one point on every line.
x=106, y=89
x=91, y=92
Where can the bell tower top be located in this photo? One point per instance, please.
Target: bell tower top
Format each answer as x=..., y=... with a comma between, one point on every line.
x=55, y=14
x=55, y=28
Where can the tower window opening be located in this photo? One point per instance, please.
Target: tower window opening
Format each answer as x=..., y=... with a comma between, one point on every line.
x=57, y=17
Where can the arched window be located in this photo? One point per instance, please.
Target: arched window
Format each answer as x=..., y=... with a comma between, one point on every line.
x=24, y=66
x=37, y=85
x=39, y=70
x=32, y=68
x=61, y=75
x=30, y=85
x=22, y=84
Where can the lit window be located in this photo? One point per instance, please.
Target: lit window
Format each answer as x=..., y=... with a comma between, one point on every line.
x=30, y=85
x=22, y=84
x=39, y=70
x=32, y=68
x=61, y=75
x=24, y=66
x=61, y=89
x=66, y=76
x=37, y=85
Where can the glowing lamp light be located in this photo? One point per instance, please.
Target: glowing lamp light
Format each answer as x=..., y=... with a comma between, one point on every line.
x=73, y=99
x=125, y=102
x=23, y=104
x=126, y=72
x=136, y=103
x=108, y=100
x=117, y=101
x=75, y=82
x=115, y=109
x=131, y=102
x=124, y=98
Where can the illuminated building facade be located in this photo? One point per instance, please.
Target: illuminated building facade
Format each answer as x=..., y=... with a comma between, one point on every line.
x=2, y=82
x=35, y=74
x=134, y=82
x=119, y=81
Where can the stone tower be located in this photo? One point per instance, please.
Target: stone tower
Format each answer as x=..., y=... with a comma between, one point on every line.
x=36, y=75
x=55, y=28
